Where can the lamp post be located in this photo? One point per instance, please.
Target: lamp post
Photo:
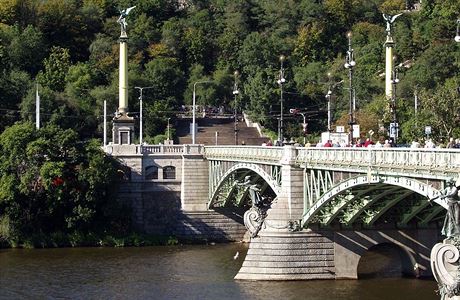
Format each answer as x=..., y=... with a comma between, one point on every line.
x=349, y=64
x=395, y=130
x=235, y=94
x=281, y=81
x=329, y=99
x=304, y=126
x=193, y=109
x=168, y=128
x=141, y=89
x=457, y=36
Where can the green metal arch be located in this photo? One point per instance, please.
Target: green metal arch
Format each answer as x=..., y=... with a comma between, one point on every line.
x=403, y=182
x=246, y=166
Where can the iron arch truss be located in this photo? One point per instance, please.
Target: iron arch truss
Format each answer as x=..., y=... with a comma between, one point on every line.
x=225, y=186
x=366, y=198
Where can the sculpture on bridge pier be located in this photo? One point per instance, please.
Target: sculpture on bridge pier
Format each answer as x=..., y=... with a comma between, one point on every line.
x=255, y=216
x=451, y=227
x=445, y=256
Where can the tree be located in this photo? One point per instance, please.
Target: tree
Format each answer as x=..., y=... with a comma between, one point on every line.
x=166, y=77
x=56, y=68
x=13, y=87
x=443, y=105
x=53, y=182
x=27, y=49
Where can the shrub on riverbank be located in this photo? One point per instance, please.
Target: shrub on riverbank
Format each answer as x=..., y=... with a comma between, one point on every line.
x=56, y=189
x=79, y=239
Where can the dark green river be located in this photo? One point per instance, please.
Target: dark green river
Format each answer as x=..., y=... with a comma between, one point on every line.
x=179, y=272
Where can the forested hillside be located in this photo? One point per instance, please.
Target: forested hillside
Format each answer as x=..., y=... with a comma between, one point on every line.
x=70, y=49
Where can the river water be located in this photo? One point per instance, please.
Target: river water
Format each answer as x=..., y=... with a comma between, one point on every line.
x=178, y=272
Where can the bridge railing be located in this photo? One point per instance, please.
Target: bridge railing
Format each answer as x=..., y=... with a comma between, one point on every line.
x=257, y=154
x=420, y=159
x=171, y=149
x=133, y=149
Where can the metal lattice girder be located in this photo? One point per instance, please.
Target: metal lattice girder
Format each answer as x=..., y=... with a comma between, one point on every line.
x=335, y=190
x=344, y=200
x=355, y=213
x=365, y=190
x=405, y=183
x=259, y=170
x=414, y=212
x=316, y=183
x=276, y=174
x=435, y=211
x=332, y=210
x=389, y=204
x=231, y=180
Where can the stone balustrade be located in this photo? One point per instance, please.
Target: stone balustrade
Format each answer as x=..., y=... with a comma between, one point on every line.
x=435, y=162
x=256, y=154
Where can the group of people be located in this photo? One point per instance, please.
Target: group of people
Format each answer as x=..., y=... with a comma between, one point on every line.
x=429, y=143
x=359, y=143
x=368, y=142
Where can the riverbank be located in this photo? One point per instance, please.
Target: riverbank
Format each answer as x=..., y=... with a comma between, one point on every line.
x=79, y=239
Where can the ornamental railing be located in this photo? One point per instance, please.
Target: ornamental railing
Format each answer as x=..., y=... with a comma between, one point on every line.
x=255, y=154
x=127, y=150
x=419, y=160
x=171, y=149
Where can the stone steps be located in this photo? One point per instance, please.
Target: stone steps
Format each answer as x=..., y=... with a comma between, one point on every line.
x=207, y=128
x=210, y=226
x=289, y=256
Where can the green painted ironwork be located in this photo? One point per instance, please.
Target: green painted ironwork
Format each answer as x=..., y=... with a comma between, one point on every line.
x=217, y=185
x=386, y=205
x=356, y=211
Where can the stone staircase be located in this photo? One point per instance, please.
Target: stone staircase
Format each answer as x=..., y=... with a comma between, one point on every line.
x=210, y=226
x=289, y=256
x=225, y=127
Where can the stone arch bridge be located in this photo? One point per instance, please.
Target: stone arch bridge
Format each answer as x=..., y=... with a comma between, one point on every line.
x=328, y=205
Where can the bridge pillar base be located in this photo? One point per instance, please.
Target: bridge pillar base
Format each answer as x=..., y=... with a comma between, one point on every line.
x=289, y=256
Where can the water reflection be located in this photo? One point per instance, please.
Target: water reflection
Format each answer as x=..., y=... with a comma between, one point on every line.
x=184, y=272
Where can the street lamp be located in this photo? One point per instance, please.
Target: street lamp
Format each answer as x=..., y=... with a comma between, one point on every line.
x=394, y=129
x=193, y=109
x=457, y=37
x=304, y=126
x=329, y=99
x=168, y=128
x=140, y=109
x=281, y=81
x=235, y=93
x=349, y=64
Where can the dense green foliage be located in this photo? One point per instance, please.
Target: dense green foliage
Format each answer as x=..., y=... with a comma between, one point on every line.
x=52, y=183
x=70, y=48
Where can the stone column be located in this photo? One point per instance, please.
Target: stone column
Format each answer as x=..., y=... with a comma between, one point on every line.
x=123, y=125
x=288, y=208
x=123, y=75
x=389, y=66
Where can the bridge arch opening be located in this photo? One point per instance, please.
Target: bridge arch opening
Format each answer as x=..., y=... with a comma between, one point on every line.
x=385, y=260
x=374, y=201
x=232, y=192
